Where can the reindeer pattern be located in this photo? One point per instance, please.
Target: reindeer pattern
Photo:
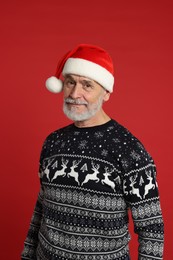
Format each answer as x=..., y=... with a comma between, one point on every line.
x=139, y=187
x=83, y=174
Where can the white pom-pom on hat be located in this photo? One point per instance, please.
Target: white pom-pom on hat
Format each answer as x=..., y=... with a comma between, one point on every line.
x=54, y=85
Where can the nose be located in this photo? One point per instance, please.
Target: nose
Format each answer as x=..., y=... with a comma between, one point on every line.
x=76, y=91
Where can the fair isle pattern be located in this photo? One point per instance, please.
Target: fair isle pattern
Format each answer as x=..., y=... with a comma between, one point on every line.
x=85, y=199
x=90, y=177
x=65, y=254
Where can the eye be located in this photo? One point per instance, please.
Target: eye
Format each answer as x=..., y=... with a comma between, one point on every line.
x=69, y=82
x=87, y=86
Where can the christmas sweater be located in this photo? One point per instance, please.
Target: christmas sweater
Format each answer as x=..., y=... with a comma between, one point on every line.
x=90, y=178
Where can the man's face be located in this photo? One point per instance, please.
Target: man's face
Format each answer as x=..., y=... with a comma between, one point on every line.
x=83, y=97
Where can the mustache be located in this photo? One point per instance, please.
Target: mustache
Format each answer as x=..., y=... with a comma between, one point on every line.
x=75, y=101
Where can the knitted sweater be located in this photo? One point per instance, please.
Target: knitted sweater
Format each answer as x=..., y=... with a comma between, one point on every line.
x=90, y=178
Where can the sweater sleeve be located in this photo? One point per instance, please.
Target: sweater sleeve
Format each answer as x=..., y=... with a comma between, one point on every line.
x=31, y=241
x=142, y=195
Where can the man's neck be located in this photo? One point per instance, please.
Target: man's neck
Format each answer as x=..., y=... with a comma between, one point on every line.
x=98, y=119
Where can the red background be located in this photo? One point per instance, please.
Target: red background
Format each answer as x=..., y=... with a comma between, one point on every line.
x=33, y=36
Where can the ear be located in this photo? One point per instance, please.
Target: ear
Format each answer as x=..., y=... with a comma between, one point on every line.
x=106, y=96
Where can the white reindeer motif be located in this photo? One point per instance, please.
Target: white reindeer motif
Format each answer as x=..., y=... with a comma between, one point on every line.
x=106, y=179
x=62, y=171
x=73, y=173
x=150, y=185
x=134, y=190
x=124, y=188
x=46, y=170
x=92, y=176
x=155, y=179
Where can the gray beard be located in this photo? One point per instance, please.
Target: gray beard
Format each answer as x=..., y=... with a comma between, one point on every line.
x=92, y=110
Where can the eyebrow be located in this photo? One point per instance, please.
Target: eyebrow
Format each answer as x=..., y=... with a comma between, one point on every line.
x=82, y=80
x=68, y=77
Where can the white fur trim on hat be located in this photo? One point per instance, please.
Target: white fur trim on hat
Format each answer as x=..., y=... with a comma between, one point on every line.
x=90, y=70
x=54, y=85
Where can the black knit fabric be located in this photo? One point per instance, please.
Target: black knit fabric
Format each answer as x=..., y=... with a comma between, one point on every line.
x=90, y=178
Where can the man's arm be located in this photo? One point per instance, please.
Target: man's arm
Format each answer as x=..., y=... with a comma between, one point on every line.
x=143, y=199
x=31, y=241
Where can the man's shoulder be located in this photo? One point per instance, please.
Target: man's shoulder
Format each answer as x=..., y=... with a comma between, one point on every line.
x=124, y=133
x=129, y=141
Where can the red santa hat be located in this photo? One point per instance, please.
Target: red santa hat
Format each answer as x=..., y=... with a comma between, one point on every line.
x=85, y=60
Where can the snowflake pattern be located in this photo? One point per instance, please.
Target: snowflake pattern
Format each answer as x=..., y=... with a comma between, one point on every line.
x=125, y=163
x=104, y=153
x=135, y=155
x=116, y=140
x=82, y=144
x=62, y=144
x=76, y=133
x=98, y=135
